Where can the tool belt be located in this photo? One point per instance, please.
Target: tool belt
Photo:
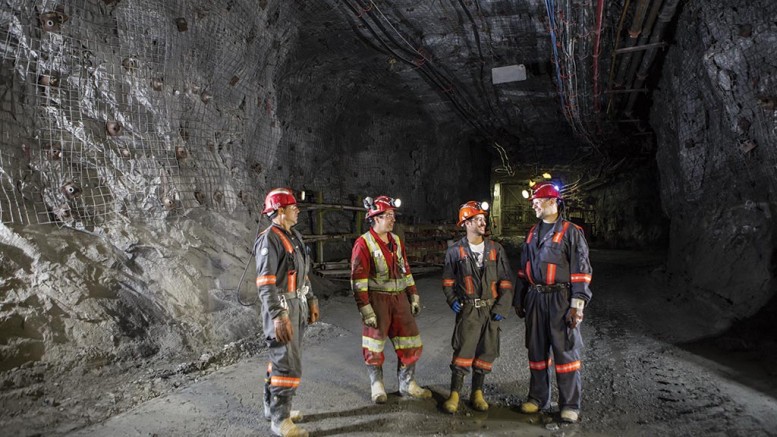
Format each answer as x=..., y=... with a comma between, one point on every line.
x=550, y=288
x=478, y=303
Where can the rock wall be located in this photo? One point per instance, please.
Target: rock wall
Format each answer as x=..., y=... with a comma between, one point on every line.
x=628, y=211
x=138, y=140
x=716, y=124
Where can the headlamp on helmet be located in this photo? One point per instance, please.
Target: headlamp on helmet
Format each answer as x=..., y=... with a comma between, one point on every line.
x=380, y=205
x=471, y=209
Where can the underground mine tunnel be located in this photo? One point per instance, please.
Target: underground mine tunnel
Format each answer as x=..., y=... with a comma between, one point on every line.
x=139, y=138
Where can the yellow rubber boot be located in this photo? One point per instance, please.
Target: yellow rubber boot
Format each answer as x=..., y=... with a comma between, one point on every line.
x=287, y=428
x=530, y=407
x=478, y=402
x=452, y=404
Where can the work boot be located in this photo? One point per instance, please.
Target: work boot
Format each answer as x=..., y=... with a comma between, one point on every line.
x=452, y=404
x=407, y=384
x=569, y=415
x=476, y=398
x=530, y=407
x=294, y=415
x=281, y=418
x=378, y=391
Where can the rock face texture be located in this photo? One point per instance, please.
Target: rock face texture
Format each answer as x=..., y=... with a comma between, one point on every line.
x=716, y=125
x=155, y=128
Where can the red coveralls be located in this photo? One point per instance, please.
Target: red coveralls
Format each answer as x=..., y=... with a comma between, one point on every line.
x=380, y=276
x=553, y=271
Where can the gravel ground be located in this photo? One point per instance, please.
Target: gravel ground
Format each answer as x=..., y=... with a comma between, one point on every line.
x=651, y=367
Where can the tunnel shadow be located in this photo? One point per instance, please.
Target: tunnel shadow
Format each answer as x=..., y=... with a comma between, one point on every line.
x=746, y=351
x=633, y=297
x=428, y=417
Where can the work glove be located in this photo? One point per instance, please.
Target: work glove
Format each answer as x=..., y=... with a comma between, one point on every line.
x=313, y=313
x=497, y=317
x=368, y=316
x=283, y=332
x=520, y=311
x=574, y=317
x=456, y=306
x=415, y=304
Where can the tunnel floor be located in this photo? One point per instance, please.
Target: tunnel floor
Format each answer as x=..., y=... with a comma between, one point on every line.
x=652, y=366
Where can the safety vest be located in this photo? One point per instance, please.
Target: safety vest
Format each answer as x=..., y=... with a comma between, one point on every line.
x=380, y=280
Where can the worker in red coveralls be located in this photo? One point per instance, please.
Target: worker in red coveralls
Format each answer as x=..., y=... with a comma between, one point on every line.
x=478, y=287
x=288, y=305
x=555, y=273
x=387, y=299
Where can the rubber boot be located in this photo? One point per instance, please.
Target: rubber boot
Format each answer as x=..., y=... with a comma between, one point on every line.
x=407, y=384
x=281, y=418
x=452, y=404
x=378, y=391
x=476, y=398
x=294, y=415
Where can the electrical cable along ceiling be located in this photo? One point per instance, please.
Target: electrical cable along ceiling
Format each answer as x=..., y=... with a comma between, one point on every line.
x=138, y=115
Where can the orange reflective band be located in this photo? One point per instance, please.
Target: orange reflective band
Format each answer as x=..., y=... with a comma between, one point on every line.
x=494, y=294
x=291, y=284
x=284, y=381
x=448, y=282
x=284, y=239
x=485, y=365
x=551, y=274
x=569, y=367
x=540, y=365
x=462, y=362
x=559, y=235
x=469, y=285
x=265, y=280
x=505, y=284
x=580, y=277
x=462, y=252
x=531, y=234
x=492, y=255
x=521, y=274
x=528, y=273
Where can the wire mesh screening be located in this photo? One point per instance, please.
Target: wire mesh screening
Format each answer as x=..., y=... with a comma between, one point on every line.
x=135, y=109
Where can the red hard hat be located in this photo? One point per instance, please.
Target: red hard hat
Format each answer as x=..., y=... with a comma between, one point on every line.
x=380, y=205
x=471, y=209
x=278, y=198
x=543, y=190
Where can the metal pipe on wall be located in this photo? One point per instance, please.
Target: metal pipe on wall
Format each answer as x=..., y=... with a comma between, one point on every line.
x=634, y=31
x=667, y=13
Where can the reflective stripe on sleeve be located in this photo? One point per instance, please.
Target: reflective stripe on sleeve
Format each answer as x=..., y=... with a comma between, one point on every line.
x=580, y=277
x=265, y=280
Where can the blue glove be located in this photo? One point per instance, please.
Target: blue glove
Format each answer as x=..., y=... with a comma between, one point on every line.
x=496, y=317
x=456, y=306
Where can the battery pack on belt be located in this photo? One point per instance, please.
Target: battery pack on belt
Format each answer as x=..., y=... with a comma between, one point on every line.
x=550, y=288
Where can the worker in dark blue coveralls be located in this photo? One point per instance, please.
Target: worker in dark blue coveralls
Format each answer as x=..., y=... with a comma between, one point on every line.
x=552, y=293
